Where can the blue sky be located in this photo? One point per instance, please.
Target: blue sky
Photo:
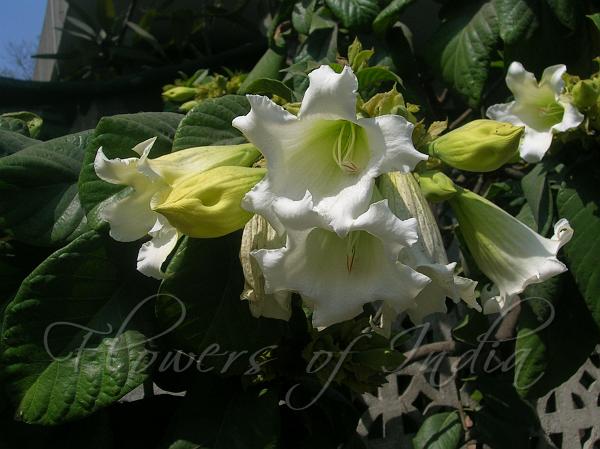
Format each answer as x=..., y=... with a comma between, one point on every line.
x=20, y=20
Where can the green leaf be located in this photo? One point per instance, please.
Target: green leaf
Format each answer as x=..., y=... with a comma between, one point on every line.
x=462, y=49
x=11, y=142
x=566, y=11
x=302, y=16
x=354, y=14
x=440, y=431
x=205, y=275
x=15, y=125
x=268, y=66
x=517, y=19
x=319, y=48
x=552, y=323
x=40, y=203
x=501, y=409
x=218, y=414
x=596, y=19
x=209, y=123
x=539, y=198
x=389, y=15
x=266, y=86
x=578, y=201
x=70, y=343
x=117, y=135
x=370, y=78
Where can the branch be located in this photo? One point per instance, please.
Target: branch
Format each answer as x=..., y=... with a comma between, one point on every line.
x=506, y=330
x=423, y=351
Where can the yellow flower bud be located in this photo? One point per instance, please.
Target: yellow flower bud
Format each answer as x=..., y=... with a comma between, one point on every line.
x=481, y=145
x=436, y=186
x=179, y=93
x=208, y=204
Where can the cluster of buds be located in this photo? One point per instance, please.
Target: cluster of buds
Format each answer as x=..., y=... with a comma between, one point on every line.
x=190, y=92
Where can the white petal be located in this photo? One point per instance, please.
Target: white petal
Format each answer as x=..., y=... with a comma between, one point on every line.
x=342, y=209
x=330, y=94
x=268, y=126
x=572, y=118
x=143, y=148
x=260, y=201
x=444, y=284
x=503, y=112
x=129, y=214
x=552, y=77
x=393, y=134
x=153, y=253
x=466, y=291
x=521, y=83
x=116, y=171
x=563, y=232
x=379, y=221
x=535, y=144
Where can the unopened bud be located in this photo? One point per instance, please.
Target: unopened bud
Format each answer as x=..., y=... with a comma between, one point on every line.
x=208, y=204
x=179, y=93
x=480, y=146
x=585, y=94
x=436, y=186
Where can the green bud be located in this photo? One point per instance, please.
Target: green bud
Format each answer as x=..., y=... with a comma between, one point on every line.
x=585, y=94
x=188, y=105
x=480, y=146
x=208, y=204
x=436, y=186
x=179, y=93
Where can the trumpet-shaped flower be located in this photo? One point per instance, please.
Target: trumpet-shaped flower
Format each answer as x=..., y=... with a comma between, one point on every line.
x=507, y=251
x=541, y=107
x=337, y=275
x=130, y=213
x=326, y=150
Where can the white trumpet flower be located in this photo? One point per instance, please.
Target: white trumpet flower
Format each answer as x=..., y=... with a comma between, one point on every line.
x=337, y=275
x=542, y=108
x=130, y=212
x=507, y=251
x=326, y=150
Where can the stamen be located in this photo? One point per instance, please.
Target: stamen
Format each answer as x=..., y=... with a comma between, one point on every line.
x=344, y=148
x=351, y=244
